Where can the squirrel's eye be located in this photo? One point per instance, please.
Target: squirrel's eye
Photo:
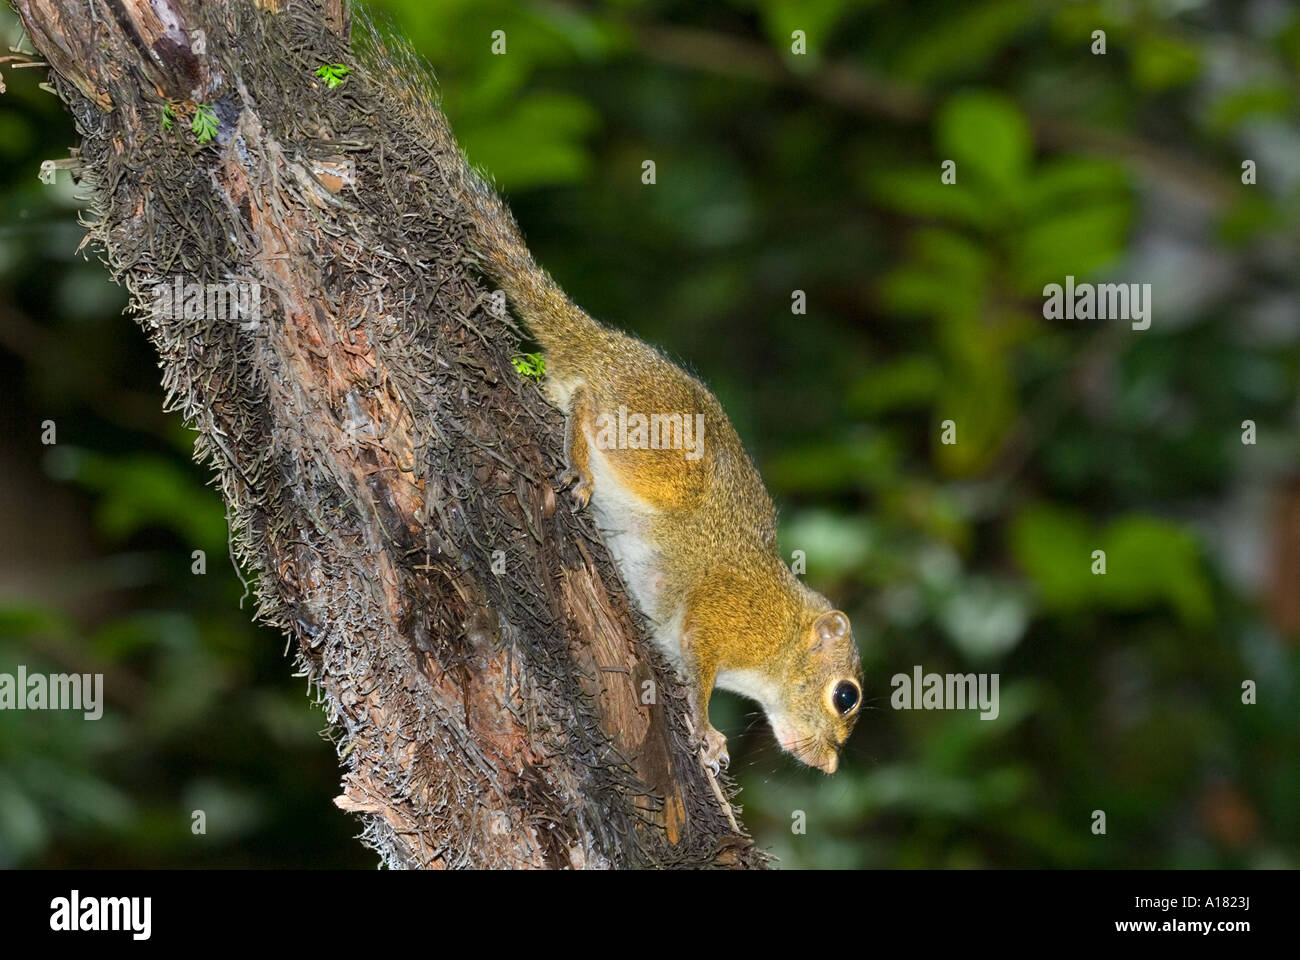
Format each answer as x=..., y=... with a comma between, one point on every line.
x=845, y=697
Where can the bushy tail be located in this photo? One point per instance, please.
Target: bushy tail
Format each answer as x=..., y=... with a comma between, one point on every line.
x=556, y=322
x=493, y=236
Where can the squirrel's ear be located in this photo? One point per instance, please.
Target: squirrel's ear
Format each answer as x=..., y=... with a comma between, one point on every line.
x=831, y=625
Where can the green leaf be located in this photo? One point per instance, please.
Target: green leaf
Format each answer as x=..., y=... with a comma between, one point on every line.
x=1230, y=110
x=920, y=193
x=977, y=394
x=26, y=620
x=1249, y=217
x=1150, y=559
x=1164, y=62
x=945, y=274
x=816, y=18
x=1077, y=242
x=985, y=133
x=531, y=365
x=138, y=491
x=911, y=381
x=552, y=124
x=333, y=74
x=962, y=38
x=1064, y=183
x=1053, y=547
x=204, y=125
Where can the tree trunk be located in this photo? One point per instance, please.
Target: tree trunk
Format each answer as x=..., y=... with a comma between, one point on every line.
x=389, y=476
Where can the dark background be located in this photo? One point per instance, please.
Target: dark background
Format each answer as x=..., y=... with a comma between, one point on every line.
x=777, y=173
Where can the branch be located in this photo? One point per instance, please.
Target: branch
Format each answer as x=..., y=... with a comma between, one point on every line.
x=851, y=87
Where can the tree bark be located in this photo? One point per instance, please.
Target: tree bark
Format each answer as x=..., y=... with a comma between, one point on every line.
x=389, y=476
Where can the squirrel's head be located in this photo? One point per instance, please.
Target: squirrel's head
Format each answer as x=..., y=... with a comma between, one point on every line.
x=823, y=679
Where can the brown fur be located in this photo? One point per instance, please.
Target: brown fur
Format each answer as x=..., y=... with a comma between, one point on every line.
x=724, y=602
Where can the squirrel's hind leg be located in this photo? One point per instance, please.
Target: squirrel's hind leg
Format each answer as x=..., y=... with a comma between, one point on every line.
x=576, y=447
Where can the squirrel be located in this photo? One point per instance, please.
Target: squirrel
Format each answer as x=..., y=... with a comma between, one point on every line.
x=689, y=523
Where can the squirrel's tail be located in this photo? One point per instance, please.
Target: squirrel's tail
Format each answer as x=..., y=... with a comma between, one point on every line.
x=493, y=238
x=556, y=321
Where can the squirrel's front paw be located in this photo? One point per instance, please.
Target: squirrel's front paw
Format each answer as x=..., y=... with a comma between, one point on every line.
x=579, y=486
x=713, y=750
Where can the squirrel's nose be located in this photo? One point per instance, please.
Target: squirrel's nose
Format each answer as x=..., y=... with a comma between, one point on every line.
x=831, y=763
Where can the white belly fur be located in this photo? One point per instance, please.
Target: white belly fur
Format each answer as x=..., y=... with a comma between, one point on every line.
x=624, y=520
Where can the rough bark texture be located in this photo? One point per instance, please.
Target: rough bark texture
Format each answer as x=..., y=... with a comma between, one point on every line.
x=373, y=443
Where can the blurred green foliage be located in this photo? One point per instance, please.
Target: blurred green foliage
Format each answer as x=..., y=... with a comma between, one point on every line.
x=779, y=172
